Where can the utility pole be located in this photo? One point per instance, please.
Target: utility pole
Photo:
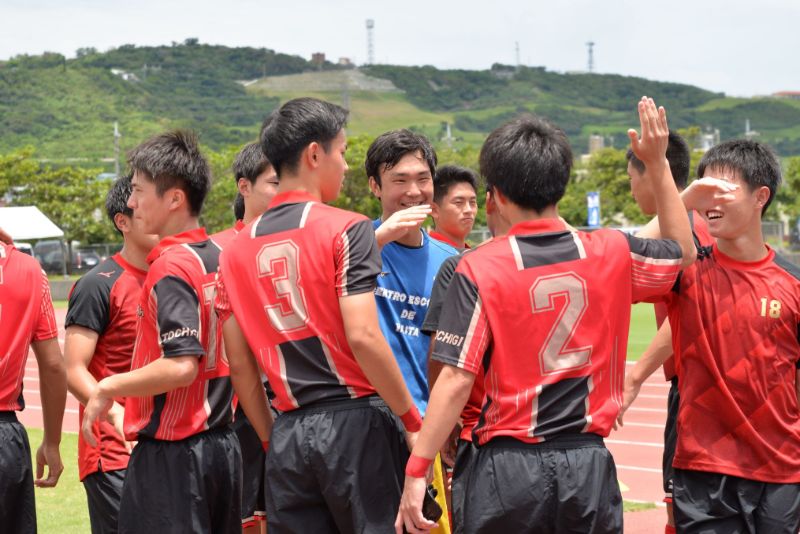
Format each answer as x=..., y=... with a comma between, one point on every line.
x=370, y=43
x=590, y=47
x=516, y=52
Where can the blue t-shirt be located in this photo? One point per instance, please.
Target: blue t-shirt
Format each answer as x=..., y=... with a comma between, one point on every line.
x=402, y=295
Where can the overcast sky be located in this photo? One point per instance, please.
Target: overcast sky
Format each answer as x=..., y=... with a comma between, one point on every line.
x=740, y=48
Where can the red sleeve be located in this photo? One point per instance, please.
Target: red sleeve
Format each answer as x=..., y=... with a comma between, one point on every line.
x=358, y=260
x=222, y=304
x=46, y=322
x=655, y=265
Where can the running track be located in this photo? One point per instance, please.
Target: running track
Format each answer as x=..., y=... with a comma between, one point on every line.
x=637, y=447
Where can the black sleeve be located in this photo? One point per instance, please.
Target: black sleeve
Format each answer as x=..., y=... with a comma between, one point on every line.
x=358, y=261
x=89, y=303
x=178, y=317
x=439, y=290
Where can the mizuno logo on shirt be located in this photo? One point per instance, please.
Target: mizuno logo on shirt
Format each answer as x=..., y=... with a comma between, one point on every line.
x=108, y=274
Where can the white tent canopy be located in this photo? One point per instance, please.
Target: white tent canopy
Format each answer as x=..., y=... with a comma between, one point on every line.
x=27, y=222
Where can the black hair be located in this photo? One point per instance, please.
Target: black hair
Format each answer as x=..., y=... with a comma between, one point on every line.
x=287, y=131
x=755, y=162
x=250, y=162
x=389, y=148
x=449, y=175
x=117, y=199
x=173, y=159
x=678, y=157
x=528, y=160
x=238, y=207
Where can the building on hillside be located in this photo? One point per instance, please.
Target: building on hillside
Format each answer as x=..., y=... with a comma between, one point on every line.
x=708, y=139
x=318, y=59
x=127, y=76
x=596, y=142
x=794, y=95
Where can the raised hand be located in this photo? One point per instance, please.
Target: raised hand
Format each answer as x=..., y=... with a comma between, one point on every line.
x=706, y=193
x=401, y=223
x=651, y=146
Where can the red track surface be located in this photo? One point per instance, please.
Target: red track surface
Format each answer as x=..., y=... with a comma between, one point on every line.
x=637, y=447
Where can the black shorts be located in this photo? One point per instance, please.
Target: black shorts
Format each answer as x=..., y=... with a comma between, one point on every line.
x=335, y=467
x=253, y=457
x=568, y=484
x=465, y=455
x=670, y=438
x=712, y=502
x=17, y=505
x=103, y=492
x=191, y=485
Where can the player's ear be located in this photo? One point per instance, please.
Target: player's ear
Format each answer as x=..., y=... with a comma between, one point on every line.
x=122, y=222
x=491, y=207
x=177, y=198
x=243, y=185
x=762, y=196
x=312, y=154
x=434, y=209
x=375, y=187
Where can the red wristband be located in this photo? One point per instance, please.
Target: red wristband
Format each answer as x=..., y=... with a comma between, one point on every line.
x=417, y=466
x=411, y=419
x=265, y=445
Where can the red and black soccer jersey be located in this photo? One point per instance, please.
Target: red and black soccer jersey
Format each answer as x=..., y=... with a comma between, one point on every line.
x=472, y=409
x=735, y=329
x=105, y=300
x=26, y=314
x=282, y=278
x=177, y=319
x=546, y=312
x=224, y=237
x=701, y=239
x=444, y=239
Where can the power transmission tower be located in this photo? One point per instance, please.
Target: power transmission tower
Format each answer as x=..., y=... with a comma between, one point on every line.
x=590, y=47
x=117, y=135
x=370, y=44
x=516, y=52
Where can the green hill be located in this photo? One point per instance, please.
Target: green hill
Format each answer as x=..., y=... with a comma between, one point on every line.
x=66, y=107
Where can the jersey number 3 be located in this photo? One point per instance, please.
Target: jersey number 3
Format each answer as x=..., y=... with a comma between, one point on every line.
x=278, y=262
x=554, y=355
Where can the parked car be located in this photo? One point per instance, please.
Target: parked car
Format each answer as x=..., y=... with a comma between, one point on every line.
x=24, y=247
x=51, y=253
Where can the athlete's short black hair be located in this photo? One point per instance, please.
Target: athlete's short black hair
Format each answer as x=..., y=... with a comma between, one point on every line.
x=529, y=161
x=389, y=148
x=678, y=157
x=173, y=159
x=250, y=162
x=238, y=207
x=755, y=162
x=287, y=131
x=117, y=199
x=449, y=175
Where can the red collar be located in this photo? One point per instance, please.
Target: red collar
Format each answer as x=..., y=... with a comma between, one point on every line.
x=727, y=261
x=538, y=226
x=139, y=273
x=239, y=226
x=191, y=236
x=291, y=197
x=444, y=239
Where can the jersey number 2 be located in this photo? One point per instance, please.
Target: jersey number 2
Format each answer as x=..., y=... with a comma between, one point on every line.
x=554, y=355
x=279, y=263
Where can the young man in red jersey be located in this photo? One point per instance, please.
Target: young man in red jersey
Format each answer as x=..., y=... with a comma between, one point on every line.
x=679, y=163
x=570, y=293
x=185, y=471
x=735, y=317
x=27, y=320
x=299, y=280
x=257, y=184
x=454, y=205
x=100, y=334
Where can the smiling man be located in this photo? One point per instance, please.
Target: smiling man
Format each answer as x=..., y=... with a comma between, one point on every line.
x=455, y=204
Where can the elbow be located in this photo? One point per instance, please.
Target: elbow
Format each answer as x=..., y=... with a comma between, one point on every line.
x=184, y=371
x=689, y=255
x=361, y=340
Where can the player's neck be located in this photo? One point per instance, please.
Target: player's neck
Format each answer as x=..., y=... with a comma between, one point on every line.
x=458, y=242
x=300, y=183
x=748, y=247
x=135, y=256
x=515, y=214
x=178, y=224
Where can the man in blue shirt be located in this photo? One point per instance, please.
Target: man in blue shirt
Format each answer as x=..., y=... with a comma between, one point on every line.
x=400, y=165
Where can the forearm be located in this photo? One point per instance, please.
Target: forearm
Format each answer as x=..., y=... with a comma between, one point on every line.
x=658, y=351
x=80, y=382
x=52, y=387
x=79, y=346
x=376, y=360
x=155, y=378
x=246, y=379
x=434, y=367
x=447, y=399
x=672, y=219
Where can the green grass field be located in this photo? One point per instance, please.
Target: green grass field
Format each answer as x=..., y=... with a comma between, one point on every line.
x=63, y=508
